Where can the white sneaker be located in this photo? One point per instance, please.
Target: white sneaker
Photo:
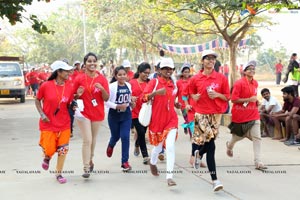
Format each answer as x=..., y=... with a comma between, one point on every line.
x=217, y=185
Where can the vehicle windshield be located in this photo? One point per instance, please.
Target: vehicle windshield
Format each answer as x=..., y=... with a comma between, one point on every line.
x=10, y=69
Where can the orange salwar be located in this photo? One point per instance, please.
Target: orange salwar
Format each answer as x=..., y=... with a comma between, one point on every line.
x=53, y=141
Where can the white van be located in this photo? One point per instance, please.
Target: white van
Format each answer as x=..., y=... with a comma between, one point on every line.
x=12, y=84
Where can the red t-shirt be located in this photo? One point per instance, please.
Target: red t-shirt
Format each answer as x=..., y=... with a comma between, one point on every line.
x=181, y=85
x=33, y=77
x=43, y=76
x=226, y=69
x=94, y=113
x=130, y=75
x=244, y=89
x=137, y=91
x=191, y=112
x=55, y=96
x=164, y=115
x=200, y=83
x=287, y=106
x=278, y=68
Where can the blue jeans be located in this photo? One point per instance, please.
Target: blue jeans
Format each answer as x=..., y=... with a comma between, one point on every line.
x=120, y=129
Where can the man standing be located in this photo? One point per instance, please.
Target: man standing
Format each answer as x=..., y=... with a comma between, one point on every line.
x=245, y=115
x=278, y=68
x=293, y=68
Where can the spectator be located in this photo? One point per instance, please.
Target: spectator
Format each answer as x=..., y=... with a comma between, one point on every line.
x=278, y=69
x=293, y=68
x=290, y=108
x=269, y=105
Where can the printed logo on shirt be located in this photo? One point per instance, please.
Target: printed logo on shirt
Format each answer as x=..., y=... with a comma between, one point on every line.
x=214, y=86
x=64, y=99
x=123, y=95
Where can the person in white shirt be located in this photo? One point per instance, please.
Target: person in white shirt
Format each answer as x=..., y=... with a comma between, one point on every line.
x=269, y=105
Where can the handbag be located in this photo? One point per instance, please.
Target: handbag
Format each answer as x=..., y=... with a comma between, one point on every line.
x=146, y=110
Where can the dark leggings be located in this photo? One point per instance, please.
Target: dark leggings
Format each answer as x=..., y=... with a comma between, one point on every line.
x=140, y=141
x=208, y=148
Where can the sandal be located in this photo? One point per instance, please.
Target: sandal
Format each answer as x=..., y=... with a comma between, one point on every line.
x=229, y=152
x=261, y=167
x=171, y=182
x=45, y=164
x=61, y=179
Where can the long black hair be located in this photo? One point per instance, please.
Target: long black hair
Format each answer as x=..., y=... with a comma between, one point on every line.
x=87, y=56
x=141, y=68
x=116, y=71
x=54, y=74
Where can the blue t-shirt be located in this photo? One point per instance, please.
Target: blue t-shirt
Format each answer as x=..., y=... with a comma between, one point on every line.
x=123, y=96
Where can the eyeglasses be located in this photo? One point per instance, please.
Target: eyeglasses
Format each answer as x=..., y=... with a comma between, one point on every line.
x=250, y=69
x=147, y=73
x=210, y=58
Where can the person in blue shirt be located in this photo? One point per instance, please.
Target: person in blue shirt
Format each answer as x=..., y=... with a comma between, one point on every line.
x=119, y=115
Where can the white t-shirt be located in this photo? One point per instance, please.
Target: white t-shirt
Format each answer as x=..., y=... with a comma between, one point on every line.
x=272, y=101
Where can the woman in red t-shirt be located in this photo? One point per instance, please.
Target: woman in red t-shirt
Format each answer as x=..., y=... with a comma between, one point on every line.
x=91, y=90
x=181, y=85
x=164, y=120
x=53, y=99
x=138, y=84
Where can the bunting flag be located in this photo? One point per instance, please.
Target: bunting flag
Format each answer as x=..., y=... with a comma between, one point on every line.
x=218, y=43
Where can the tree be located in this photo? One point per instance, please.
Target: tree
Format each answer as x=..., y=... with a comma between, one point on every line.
x=13, y=10
x=232, y=20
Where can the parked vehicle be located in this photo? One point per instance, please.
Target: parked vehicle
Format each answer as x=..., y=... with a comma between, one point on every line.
x=12, y=84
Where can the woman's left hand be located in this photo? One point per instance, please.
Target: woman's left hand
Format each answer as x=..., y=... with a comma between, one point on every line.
x=98, y=85
x=177, y=105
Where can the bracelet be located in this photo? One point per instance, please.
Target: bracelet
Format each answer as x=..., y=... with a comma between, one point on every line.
x=43, y=115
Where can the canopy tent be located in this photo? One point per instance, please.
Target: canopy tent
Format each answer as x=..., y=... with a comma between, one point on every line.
x=198, y=48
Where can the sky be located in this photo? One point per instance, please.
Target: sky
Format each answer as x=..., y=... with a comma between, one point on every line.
x=285, y=33
x=273, y=37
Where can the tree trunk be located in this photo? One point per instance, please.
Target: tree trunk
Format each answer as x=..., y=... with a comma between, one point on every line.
x=232, y=58
x=145, y=52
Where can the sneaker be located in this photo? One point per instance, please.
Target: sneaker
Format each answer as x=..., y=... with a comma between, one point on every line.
x=126, y=167
x=185, y=131
x=61, y=179
x=86, y=174
x=109, y=151
x=197, y=160
x=292, y=142
x=45, y=164
x=146, y=160
x=161, y=156
x=91, y=166
x=217, y=185
x=136, y=151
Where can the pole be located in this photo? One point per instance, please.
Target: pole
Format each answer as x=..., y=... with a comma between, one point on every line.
x=84, y=30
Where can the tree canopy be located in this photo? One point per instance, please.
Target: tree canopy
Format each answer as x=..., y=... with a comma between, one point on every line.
x=14, y=10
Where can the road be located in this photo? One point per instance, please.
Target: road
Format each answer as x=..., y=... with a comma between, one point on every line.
x=21, y=175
